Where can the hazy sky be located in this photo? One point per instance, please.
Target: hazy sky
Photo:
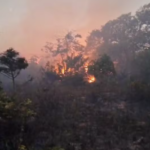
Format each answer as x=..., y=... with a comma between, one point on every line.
x=27, y=25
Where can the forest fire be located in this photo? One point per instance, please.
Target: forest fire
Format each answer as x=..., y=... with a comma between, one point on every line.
x=77, y=94
x=69, y=58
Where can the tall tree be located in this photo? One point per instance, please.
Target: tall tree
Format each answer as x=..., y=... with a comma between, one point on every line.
x=12, y=64
x=122, y=37
x=65, y=46
x=68, y=52
x=117, y=39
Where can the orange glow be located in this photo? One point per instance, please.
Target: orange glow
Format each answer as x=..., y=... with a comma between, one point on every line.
x=86, y=68
x=91, y=79
x=63, y=71
x=69, y=70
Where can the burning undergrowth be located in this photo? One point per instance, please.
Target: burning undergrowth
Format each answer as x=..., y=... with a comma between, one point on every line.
x=67, y=60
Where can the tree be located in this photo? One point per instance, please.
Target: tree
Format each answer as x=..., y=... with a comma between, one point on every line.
x=121, y=38
x=74, y=63
x=68, y=53
x=143, y=14
x=102, y=67
x=65, y=46
x=117, y=38
x=12, y=64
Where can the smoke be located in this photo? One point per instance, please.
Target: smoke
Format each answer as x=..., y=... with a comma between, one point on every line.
x=37, y=21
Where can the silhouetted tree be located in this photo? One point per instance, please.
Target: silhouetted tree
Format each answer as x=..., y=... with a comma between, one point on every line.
x=102, y=67
x=12, y=64
x=68, y=52
x=122, y=37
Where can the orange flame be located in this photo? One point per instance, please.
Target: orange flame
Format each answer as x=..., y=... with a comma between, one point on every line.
x=86, y=69
x=63, y=71
x=69, y=70
x=91, y=79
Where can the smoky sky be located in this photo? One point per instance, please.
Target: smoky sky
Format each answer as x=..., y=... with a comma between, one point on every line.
x=27, y=25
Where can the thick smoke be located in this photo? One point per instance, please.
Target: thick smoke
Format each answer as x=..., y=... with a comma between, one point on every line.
x=28, y=24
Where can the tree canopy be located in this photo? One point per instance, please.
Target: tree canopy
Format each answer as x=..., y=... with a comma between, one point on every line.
x=12, y=64
x=122, y=37
x=102, y=67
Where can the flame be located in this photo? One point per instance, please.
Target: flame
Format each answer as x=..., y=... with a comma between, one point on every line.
x=91, y=79
x=63, y=71
x=86, y=69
